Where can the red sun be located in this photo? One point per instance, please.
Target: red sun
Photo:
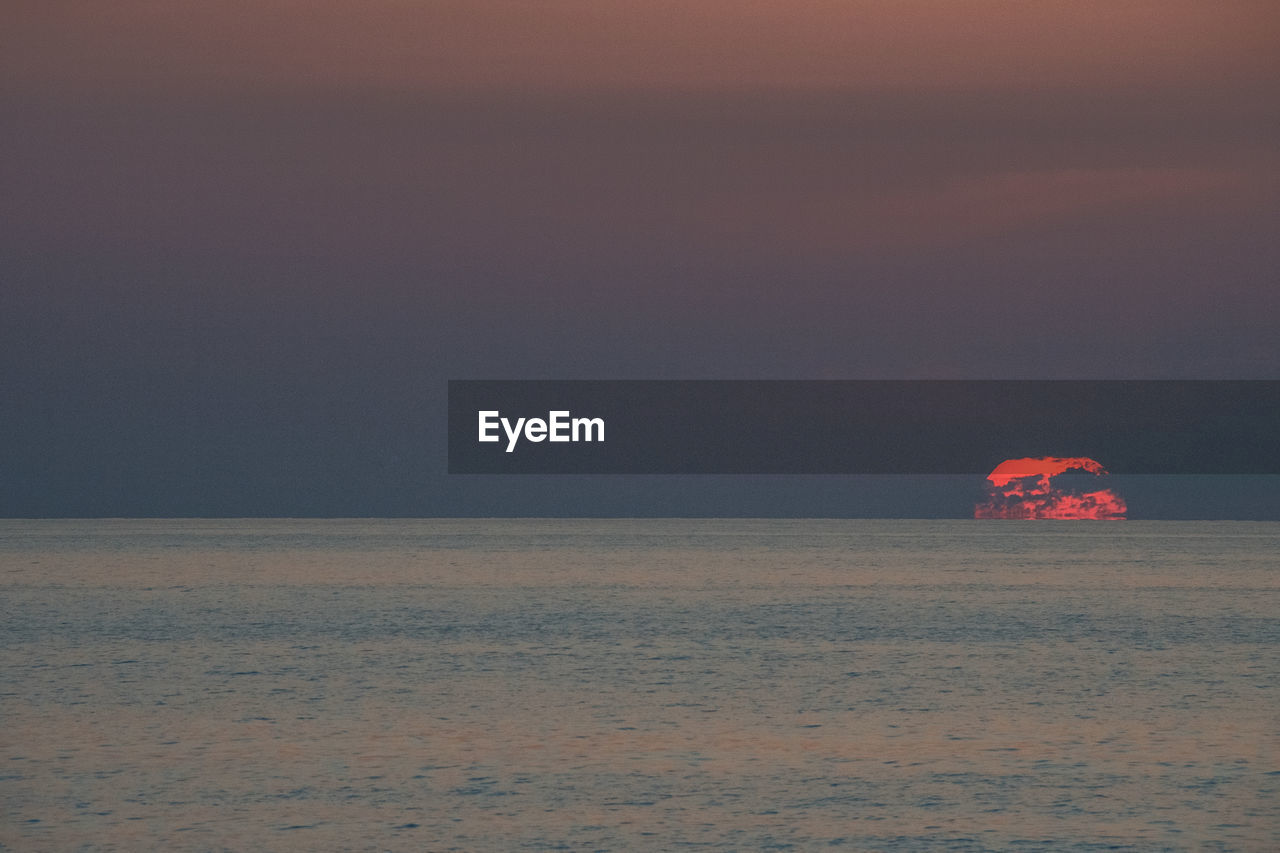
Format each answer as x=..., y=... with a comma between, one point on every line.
x=1025, y=488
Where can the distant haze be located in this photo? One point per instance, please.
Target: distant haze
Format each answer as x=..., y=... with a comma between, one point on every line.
x=243, y=246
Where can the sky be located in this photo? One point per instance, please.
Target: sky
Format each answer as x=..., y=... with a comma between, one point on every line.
x=244, y=245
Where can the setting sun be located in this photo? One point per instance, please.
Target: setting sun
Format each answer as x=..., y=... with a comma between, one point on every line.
x=1025, y=488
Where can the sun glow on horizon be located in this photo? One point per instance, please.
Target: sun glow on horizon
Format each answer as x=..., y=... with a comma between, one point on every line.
x=1025, y=488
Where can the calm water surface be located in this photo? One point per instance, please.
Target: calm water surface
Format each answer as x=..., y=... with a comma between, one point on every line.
x=484, y=685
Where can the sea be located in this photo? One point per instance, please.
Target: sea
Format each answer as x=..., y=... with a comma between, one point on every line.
x=639, y=684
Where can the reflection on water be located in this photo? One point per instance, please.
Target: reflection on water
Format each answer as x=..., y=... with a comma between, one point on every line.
x=617, y=685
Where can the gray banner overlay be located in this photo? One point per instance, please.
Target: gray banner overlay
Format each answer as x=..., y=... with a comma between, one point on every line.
x=859, y=427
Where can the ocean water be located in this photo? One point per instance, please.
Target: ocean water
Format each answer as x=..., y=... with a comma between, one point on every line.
x=481, y=685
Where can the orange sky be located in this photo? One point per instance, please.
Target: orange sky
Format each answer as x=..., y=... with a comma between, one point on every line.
x=556, y=44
